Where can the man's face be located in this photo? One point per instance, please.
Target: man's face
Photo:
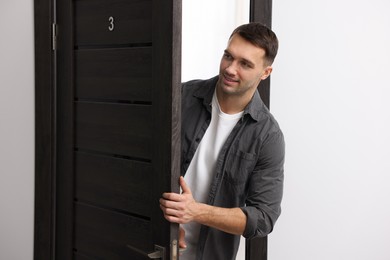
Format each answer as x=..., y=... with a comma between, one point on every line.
x=242, y=68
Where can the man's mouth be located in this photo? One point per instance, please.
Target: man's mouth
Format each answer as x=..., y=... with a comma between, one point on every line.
x=230, y=79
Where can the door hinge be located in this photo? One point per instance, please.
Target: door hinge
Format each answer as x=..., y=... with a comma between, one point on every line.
x=54, y=36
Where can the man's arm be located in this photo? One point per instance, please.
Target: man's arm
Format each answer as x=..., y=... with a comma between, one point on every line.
x=182, y=208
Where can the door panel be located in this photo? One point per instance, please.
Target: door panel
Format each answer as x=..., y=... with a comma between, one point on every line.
x=78, y=256
x=114, y=73
x=114, y=128
x=114, y=182
x=105, y=233
x=102, y=22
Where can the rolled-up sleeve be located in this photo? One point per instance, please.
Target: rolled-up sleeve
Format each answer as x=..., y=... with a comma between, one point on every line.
x=265, y=188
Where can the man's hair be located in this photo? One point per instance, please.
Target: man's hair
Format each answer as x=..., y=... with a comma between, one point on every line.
x=260, y=36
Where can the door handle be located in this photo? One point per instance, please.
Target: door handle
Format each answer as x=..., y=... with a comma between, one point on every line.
x=159, y=252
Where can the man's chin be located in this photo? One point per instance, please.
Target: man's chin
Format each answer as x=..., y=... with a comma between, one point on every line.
x=229, y=90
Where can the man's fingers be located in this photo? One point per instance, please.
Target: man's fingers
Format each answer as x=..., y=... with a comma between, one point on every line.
x=171, y=211
x=169, y=204
x=182, y=242
x=173, y=219
x=172, y=196
x=183, y=185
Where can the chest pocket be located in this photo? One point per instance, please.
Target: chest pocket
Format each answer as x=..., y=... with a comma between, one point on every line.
x=239, y=166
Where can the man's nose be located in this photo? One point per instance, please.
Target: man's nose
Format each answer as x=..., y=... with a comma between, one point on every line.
x=231, y=68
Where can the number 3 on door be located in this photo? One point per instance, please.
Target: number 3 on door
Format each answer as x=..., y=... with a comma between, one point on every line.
x=111, y=26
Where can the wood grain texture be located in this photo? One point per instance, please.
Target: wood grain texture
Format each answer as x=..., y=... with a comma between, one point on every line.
x=65, y=134
x=132, y=22
x=117, y=183
x=104, y=234
x=119, y=129
x=44, y=208
x=166, y=111
x=257, y=249
x=114, y=74
x=117, y=103
x=260, y=11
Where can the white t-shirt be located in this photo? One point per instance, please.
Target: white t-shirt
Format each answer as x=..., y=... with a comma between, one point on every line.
x=202, y=167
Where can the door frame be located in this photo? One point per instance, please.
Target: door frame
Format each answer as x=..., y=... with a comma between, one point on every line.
x=46, y=132
x=260, y=11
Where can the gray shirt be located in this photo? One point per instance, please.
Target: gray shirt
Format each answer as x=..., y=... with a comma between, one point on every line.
x=249, y=170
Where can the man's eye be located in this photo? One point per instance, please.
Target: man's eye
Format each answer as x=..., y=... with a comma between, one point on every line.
x=245, y=64
x=227, y=56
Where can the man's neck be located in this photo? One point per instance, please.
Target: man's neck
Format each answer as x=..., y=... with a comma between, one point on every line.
x=232, y=104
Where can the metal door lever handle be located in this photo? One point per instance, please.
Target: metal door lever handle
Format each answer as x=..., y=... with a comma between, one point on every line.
x=158, y=254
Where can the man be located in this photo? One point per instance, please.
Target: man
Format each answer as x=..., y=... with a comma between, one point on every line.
x=232, y=153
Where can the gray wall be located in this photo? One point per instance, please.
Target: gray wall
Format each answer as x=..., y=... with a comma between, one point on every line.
x=16, y=129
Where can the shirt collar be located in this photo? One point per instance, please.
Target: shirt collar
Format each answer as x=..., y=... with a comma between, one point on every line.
x=206, y=91
x=254, y=109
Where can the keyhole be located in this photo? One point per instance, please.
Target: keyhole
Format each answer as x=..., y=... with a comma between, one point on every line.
x=111, y=26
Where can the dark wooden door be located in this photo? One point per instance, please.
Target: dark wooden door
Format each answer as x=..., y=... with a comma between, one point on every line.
x=116, y=123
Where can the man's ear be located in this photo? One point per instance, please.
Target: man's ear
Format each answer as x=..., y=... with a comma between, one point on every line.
x=267, y=71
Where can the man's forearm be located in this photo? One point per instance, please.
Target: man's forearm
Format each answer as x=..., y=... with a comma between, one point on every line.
x=229, y=220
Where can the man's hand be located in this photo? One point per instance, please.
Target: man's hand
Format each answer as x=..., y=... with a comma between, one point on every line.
x=179, y=208
x=182, y=208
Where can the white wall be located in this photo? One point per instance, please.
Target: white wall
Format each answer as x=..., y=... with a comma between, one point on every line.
x=330, y=93
x=16, y=130
x=206, y=27
x=329, y=90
